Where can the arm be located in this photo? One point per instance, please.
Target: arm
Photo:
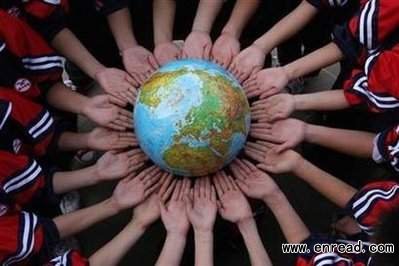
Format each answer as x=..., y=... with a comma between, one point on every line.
x=120, y=24
x=66, y=43
x=256, y=250
x=287, y=27
x=206, y=15
x=164, y=15
x=172, y=251
x=331, y=187
x=320, y=58
x=356, y=143
x=242, y=12
x=321, y=101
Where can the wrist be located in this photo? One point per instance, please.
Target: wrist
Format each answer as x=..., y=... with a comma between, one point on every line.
x=309, y=132
x=246, y=225
x=138, y=224
x=112, y=206
x=273, y=200
x=203, y=235
x=261, y=46
x=176, y=236
x=299, y=166
x=290, y=72
x=126, y=49
x=231, y=31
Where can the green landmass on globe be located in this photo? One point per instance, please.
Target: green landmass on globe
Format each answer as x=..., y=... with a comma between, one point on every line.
x=191, y=117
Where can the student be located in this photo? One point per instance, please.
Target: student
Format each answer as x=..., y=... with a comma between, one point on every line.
x=27, y=183
x=27, y=127
x=374, y=207
x=48, y=18
x=29, y=238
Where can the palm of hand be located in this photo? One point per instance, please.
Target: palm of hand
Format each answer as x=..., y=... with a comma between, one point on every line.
x=166, y=52
x=225, y=48
x=112, y=80
x=197, y=45
x=148, y=211
x=281, y=162
x=273, y=78
x=112, y=166
x=203, y=214
x=235, y=207
x=290, y=130
x=101, y=111
x=103, y=139
x=251, y=58
x=135, y=60
x=129, y=194
x=175, y=218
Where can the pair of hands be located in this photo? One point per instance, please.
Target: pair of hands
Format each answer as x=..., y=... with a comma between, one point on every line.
x=198, y=45
x=103, y=112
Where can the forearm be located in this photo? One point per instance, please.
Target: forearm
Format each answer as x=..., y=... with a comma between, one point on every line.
x=206, y=15
x=121, y=27
x=319, y=59
x=321, y=101
x=75, y=222
x=256, y=250
x=66, y=43
x=114, y=250
x=294, y=230
x=68, y=181
x=63, y=98
x=164, y=14
x=287, y=27
x=241, y=14
x=72, y=141
x=172, y=250
x=351, y=142
x=329, y=186
x=203, y=248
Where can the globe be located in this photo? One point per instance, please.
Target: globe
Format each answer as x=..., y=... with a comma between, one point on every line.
x=191, y=117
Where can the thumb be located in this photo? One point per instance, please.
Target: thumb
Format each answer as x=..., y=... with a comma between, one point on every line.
x=283, y=147
x=162, y=206
x=188, y=203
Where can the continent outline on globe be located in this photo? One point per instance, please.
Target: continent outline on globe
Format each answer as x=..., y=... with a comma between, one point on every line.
x=191, y=117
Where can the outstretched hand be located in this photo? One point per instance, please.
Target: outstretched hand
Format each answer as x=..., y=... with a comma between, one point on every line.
x=103, y=112
x=252, y=181
x=266, y=82
x=103, y=139
x=166, y=52
x=139, y=63
x=287, y=133
x=248, y=62
x=114, y=165
x=275, y=108
x=136, y=188
x=271, y=161
x=173, y=214
x=197, y=45
x=233, y=206
x=225, y=49
x=118, y=84
x=201, y=205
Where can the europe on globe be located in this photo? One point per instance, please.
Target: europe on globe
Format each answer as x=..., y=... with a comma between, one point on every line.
x=191, y=117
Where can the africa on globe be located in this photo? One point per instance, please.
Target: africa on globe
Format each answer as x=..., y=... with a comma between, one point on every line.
x=191, y=117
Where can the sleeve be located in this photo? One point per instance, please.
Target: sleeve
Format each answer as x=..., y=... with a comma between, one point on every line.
x=69, y=258
x=47, y=16
x=11, y=68
x=324, y=4
x=375, y=23
x=107, y=7
x=386, y=147
x=37, y=123
x=372, y=202
x=349, y=46
x=24, y=181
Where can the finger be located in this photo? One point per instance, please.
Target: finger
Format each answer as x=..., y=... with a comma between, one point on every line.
x=218, y=186
x=254, y=155
x=115, y=127
x=188, y=203
x=243, y=167
x=146, y=172
x=149, y=182
x=213, y=194
x=176, y=192
x=250, y=165
x=197, y=192
x=169, y=190
x=208, y=187
x=237, y=172
x=131, y=80
x=153, y=62
x=230, y=181
x=223, y=182
x=152, y=189
x=242, y=185
x=118, y=101
x=202, y=188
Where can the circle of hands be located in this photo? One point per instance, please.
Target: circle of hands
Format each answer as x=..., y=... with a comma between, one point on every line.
x=179, y=203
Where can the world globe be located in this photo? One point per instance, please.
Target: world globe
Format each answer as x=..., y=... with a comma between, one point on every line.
x=191, y=117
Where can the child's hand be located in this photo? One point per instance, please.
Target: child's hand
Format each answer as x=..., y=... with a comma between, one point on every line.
x=287, y=133
x=166, y=52
x=134, y=189
x=197, y=45
x=148, y=211
x=271, y=161
x=173, y=214
x=201, y=205
x=252, y=181
x=248, y=62
x=118, y=84
x=103, y=139
x=101, y=111
x=233, y=205
x=139, y=63
x=276, y=107
x=113, y=165
x=267, y=82
x=225, y=49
